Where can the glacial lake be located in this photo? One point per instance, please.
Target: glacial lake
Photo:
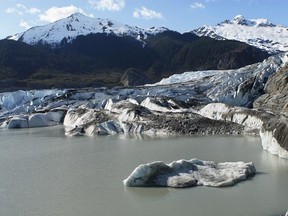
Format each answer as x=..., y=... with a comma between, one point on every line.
x=44, y=173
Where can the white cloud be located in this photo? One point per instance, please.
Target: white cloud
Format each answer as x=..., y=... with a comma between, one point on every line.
x=10, y=10
x=56, y=13
x=34, y=11
x=29, y=10
x=145, y=13
x=110, y=5
x=197, y=5
x=24, y=24
x=21, y=9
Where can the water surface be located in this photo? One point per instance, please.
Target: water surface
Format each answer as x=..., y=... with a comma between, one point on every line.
x=44, y=173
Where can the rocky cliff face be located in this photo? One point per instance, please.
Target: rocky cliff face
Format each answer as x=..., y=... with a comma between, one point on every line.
x=276, y=93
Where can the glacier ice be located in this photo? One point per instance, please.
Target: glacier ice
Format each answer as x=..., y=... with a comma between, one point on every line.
x=235, y=87
x=18, y=122
x=168, y=107
x=273, y=129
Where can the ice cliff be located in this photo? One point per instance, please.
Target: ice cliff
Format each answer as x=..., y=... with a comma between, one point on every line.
x=272, y=128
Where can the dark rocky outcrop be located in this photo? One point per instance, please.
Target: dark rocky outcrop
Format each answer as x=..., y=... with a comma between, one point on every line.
x=276, y=93
x=133, y=77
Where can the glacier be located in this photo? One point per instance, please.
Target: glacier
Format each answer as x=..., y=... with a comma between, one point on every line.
x=235, y=87
x=189, y=173
x=181, y=104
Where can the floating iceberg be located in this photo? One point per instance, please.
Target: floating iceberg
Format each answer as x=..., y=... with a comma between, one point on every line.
x=189, y=173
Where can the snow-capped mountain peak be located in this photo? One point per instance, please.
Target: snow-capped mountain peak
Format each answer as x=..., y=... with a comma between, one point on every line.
x=256, y=32
x=79, y=24
x=241, y=20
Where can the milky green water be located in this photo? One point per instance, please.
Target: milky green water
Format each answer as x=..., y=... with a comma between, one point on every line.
x=44, y=173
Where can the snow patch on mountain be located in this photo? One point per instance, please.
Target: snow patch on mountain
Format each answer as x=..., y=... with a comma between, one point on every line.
x=256, y=32
x=69, y=28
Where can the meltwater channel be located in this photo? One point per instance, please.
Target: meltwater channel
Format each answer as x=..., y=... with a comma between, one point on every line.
x=44, y=173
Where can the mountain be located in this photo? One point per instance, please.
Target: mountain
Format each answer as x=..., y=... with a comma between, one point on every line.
x=181, y=52
x=257, y=32
x=67, y=29
x=75, y=52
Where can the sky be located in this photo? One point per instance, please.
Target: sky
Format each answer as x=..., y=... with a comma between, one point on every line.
x=179, y=15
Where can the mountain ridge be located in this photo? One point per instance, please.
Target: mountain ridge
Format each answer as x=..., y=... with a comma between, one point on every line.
x=260, y=33
x=79, y=24
x=256, y=32
x=81, y=51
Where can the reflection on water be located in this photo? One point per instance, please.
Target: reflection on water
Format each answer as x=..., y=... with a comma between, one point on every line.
x=42, y=172
x=143, y=193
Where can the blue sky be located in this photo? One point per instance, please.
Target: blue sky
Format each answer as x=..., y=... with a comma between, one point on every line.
x=180, y=15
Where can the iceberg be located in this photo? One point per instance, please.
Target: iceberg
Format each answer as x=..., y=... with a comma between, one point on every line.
x=189, y=173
